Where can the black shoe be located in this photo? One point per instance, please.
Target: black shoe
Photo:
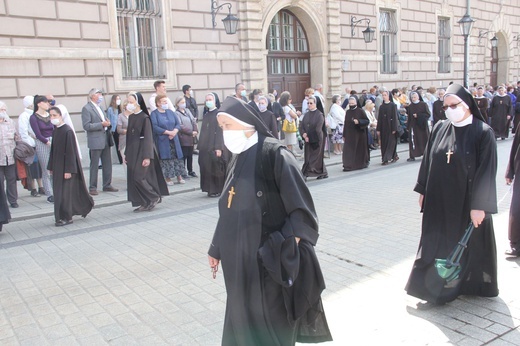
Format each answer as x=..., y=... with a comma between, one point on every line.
x=385, y=163
x=140, y=209
x=41, y=191
x=185, y=176
x=213, y=194
x=153, y=204
x=63, y=223
x=411, y=159
x=513, y=252
x=428, y=305
x=14, y=205
x=50, y=199
x=323, y=176
x=35, y=193
x=193, y=174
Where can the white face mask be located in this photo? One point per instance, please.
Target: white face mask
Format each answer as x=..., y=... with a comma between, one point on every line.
x=3, y=115
x=262, y=107
x=191, y=93
x=118, y=102
x=235, y=140
x=455, y=115
x=130, y=107
x=210, y=104
x=164, y=106
x=55, y=122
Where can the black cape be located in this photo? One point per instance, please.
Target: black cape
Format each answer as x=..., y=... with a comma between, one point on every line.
x=418, y=128
x=514, y=211
x=312, y=125
x=212, y=168
x=499, y=110
x=387, y=122
x=145, y=184
x=451, y=190
x=71, y=196
x=5, y=214
x=356, y=154
x=270, y=207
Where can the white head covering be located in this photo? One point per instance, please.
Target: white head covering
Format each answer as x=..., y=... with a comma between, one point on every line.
x=28, y=100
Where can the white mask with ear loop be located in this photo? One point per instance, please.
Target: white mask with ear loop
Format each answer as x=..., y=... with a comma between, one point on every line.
x=236, y=140
x=455, y=115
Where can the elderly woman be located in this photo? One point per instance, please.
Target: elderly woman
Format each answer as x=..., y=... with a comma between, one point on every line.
x=387, y=121
x=356, y=154
x=145, y=181
x=122, y=125
x=457, y=186
x=418, y=129
x=372, y=133
x=42, y=128
x=166, y=127
x=337, y=115
x=188, y=133
x=7, y=162
x=312, y=129
x=266, y=206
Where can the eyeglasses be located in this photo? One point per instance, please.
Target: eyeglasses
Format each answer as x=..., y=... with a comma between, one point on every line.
x=454, y=106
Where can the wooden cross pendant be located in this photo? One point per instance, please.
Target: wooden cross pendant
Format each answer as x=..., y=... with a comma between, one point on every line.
x=448, y=154
x=230, y=197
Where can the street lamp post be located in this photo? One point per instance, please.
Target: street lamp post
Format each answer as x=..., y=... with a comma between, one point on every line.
x=466, y=23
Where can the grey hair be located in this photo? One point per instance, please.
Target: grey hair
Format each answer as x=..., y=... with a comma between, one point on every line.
x=263, y=98
x=93, y=92
x=3, y=105
x=335, y=98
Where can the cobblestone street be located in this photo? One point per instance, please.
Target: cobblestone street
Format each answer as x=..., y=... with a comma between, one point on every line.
x=122, y=278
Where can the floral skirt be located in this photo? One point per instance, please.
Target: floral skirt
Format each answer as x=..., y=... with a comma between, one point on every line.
x=173, y=167
x=337, y=135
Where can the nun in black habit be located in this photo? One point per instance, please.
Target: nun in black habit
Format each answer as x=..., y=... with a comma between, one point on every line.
x=265, y=239
x=457, y=185
x=418, y=115
x=145, y=181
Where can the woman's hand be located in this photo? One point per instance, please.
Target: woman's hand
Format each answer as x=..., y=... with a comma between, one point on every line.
x=146, y=162
x=509, y=181
x=67, y=176
x=421, y=200
x=218, y=153
x=477, y=216
x=213, y=262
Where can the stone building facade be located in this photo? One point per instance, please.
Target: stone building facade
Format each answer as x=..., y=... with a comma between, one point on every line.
x=66, y=47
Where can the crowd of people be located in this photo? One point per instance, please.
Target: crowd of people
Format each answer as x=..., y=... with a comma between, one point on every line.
x=246, y=147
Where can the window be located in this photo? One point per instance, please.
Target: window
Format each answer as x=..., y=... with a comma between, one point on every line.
x=137, y=22
x=388, y=32
x=444, y=45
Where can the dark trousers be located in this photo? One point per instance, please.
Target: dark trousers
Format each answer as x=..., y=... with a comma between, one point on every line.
x=106, y=161
x=9, y=174
x=115, y=135
x=187, y=153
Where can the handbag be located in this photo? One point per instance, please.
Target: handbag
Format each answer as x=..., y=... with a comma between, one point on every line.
x=450, y=267
x=289, y=126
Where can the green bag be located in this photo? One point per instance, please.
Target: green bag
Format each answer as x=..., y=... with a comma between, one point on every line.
x=450, y=268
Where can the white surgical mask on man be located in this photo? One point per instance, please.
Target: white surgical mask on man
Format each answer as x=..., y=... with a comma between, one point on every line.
x=236, y=140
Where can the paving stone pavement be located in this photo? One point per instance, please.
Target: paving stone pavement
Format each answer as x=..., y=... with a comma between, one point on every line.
x=121, y=278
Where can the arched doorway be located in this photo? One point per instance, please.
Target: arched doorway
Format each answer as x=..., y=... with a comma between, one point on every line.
x=288, y=59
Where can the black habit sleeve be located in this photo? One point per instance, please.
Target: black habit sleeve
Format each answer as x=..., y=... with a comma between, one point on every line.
x=484, y=196
x=511, y=169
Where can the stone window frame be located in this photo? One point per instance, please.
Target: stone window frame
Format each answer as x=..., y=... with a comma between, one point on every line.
x=166, y=55
x=444, y=45
x=388, y=39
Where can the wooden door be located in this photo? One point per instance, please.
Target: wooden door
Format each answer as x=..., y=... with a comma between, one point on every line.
x=288, y=60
